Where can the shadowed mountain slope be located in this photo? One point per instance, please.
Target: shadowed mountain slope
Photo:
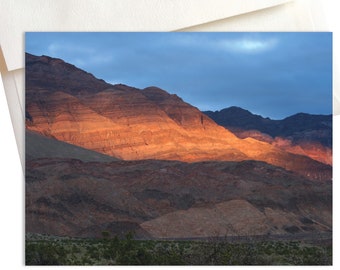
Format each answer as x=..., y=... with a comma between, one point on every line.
x=38, y=146
x=302, y=133
x=172, y=199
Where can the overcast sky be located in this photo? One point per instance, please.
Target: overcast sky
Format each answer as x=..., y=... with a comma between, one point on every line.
x=271, y=74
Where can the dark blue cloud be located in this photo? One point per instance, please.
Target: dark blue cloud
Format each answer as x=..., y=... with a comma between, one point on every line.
x=272, y=74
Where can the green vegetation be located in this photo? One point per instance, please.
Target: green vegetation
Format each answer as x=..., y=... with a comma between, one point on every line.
x=127, y=251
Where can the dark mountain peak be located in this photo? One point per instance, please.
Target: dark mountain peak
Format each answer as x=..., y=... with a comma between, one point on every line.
x=303, y=129
x=300, y=117
x=155, y=91
x=305, y=121
x=157, y=94
x=238, y=111
x=305, y=116
x=54, y=74
x=236, y=117
x=47, y=60
x=235, y=109
x=300, y=114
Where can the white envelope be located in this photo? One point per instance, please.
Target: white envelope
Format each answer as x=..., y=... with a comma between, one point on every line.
x=17, y=17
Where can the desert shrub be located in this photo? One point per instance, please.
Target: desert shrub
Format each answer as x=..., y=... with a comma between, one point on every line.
x=165, y=253
x=106, y=234
x=240, y=254
x=41, y=253
x=128, y=251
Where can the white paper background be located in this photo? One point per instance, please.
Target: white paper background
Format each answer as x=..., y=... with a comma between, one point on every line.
x=18, y=16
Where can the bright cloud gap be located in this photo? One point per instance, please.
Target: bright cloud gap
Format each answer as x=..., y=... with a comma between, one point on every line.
x=249, y=45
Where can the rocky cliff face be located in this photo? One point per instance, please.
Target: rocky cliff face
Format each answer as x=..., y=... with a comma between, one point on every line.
x=303, y=134
x=71, y=105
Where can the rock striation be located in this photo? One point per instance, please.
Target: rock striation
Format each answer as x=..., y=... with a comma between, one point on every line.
x=71, y=105
x=302, y=133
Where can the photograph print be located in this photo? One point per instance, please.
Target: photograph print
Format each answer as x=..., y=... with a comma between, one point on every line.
x=199, y=148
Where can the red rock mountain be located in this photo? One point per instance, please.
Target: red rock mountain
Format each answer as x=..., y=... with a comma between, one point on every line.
x=71, y=105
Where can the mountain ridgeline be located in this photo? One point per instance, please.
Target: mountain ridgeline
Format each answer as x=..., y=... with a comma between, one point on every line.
x=302, y=133
x=71, y=105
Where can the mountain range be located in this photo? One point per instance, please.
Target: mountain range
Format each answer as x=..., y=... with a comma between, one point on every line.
x=133, y=124
x=302, y=133
x=114, y=157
